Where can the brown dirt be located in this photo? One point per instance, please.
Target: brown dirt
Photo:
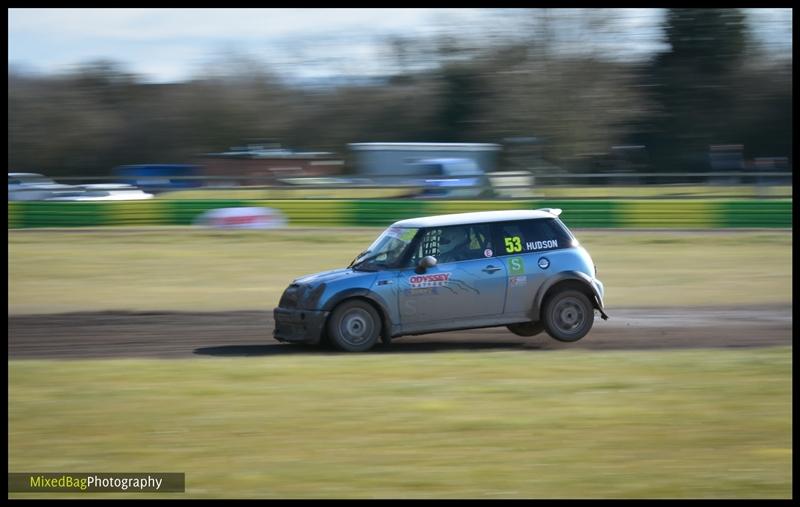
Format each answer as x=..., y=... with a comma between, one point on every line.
x=249, y=333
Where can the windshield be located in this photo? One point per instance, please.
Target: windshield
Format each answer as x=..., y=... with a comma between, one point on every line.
x=389, y=247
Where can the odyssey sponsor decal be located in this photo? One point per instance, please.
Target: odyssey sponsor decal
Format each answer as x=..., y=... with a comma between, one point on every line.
x=429, y=280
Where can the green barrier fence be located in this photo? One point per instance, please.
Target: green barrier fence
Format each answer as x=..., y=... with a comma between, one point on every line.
x=660, y=213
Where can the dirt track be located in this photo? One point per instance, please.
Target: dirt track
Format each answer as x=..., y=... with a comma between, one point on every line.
x=249, y=333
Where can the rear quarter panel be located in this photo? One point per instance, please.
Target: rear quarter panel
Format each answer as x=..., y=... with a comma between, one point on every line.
x=526, y=278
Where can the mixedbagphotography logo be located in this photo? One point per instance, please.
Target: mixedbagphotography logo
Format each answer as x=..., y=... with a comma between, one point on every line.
x=147, y=482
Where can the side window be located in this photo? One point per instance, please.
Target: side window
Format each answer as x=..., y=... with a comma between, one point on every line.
x=511, y=238
x=428, y=245
x=545, y=234
x=454, y=243
x=532, y=236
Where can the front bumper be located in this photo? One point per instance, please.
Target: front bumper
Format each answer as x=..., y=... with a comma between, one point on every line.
x=299, y=326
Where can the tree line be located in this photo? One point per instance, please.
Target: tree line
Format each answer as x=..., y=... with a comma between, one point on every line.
x=710, y=85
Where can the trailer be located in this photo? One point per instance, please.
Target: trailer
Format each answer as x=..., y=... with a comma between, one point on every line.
x=375, y=160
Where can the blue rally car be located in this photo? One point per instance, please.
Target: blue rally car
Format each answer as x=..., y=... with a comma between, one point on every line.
x=522, y=269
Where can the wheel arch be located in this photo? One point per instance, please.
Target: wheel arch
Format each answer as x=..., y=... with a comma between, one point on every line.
x=371, y=298
x=563, y=281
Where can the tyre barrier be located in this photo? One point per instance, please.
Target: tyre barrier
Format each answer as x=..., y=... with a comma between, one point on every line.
x=588, y=213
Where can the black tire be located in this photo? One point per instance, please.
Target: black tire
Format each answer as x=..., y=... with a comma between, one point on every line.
x=354, y=326
x=526, y=328
x=568, y=315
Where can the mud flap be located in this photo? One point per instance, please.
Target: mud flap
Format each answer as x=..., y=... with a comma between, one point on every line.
x=599, y=308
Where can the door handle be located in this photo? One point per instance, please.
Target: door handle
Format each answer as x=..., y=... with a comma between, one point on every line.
x=490, y=269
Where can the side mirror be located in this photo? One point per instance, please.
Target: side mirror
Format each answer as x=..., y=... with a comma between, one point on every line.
x=426, y=262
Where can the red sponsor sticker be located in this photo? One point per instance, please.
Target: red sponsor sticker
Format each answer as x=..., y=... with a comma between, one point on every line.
x=428, y=280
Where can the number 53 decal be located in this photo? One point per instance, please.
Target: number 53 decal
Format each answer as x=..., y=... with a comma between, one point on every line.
x=513, y=244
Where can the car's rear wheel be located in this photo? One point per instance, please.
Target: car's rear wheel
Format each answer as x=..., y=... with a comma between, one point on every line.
x=354, y=326
x=568, y=315
x=526, y=328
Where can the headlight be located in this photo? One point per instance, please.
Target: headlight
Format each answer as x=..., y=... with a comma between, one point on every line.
x=290, y=296
x=309, y=298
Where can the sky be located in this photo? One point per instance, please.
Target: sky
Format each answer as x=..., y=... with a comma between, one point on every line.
x=167, y=45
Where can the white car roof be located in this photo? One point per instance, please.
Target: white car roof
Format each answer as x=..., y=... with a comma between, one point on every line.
x=478, y=217
x=21, y=175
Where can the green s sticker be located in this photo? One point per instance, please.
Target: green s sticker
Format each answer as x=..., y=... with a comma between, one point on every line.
x=516, y=266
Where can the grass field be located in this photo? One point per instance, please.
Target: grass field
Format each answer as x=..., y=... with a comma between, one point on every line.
x=697, y=423
x=185, y=269
x=560, y=424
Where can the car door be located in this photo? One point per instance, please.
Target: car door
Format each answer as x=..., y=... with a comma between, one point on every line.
x=466, y=285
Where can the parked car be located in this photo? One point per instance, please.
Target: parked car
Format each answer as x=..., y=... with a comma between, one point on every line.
x=105, y=192
x=452, y=177
x=522, y=269
x=37, y=187
x=160, y=177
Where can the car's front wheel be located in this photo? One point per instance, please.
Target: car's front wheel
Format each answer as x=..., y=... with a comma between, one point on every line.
x=526, y=328
x=354, y=326
x=568, y=315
